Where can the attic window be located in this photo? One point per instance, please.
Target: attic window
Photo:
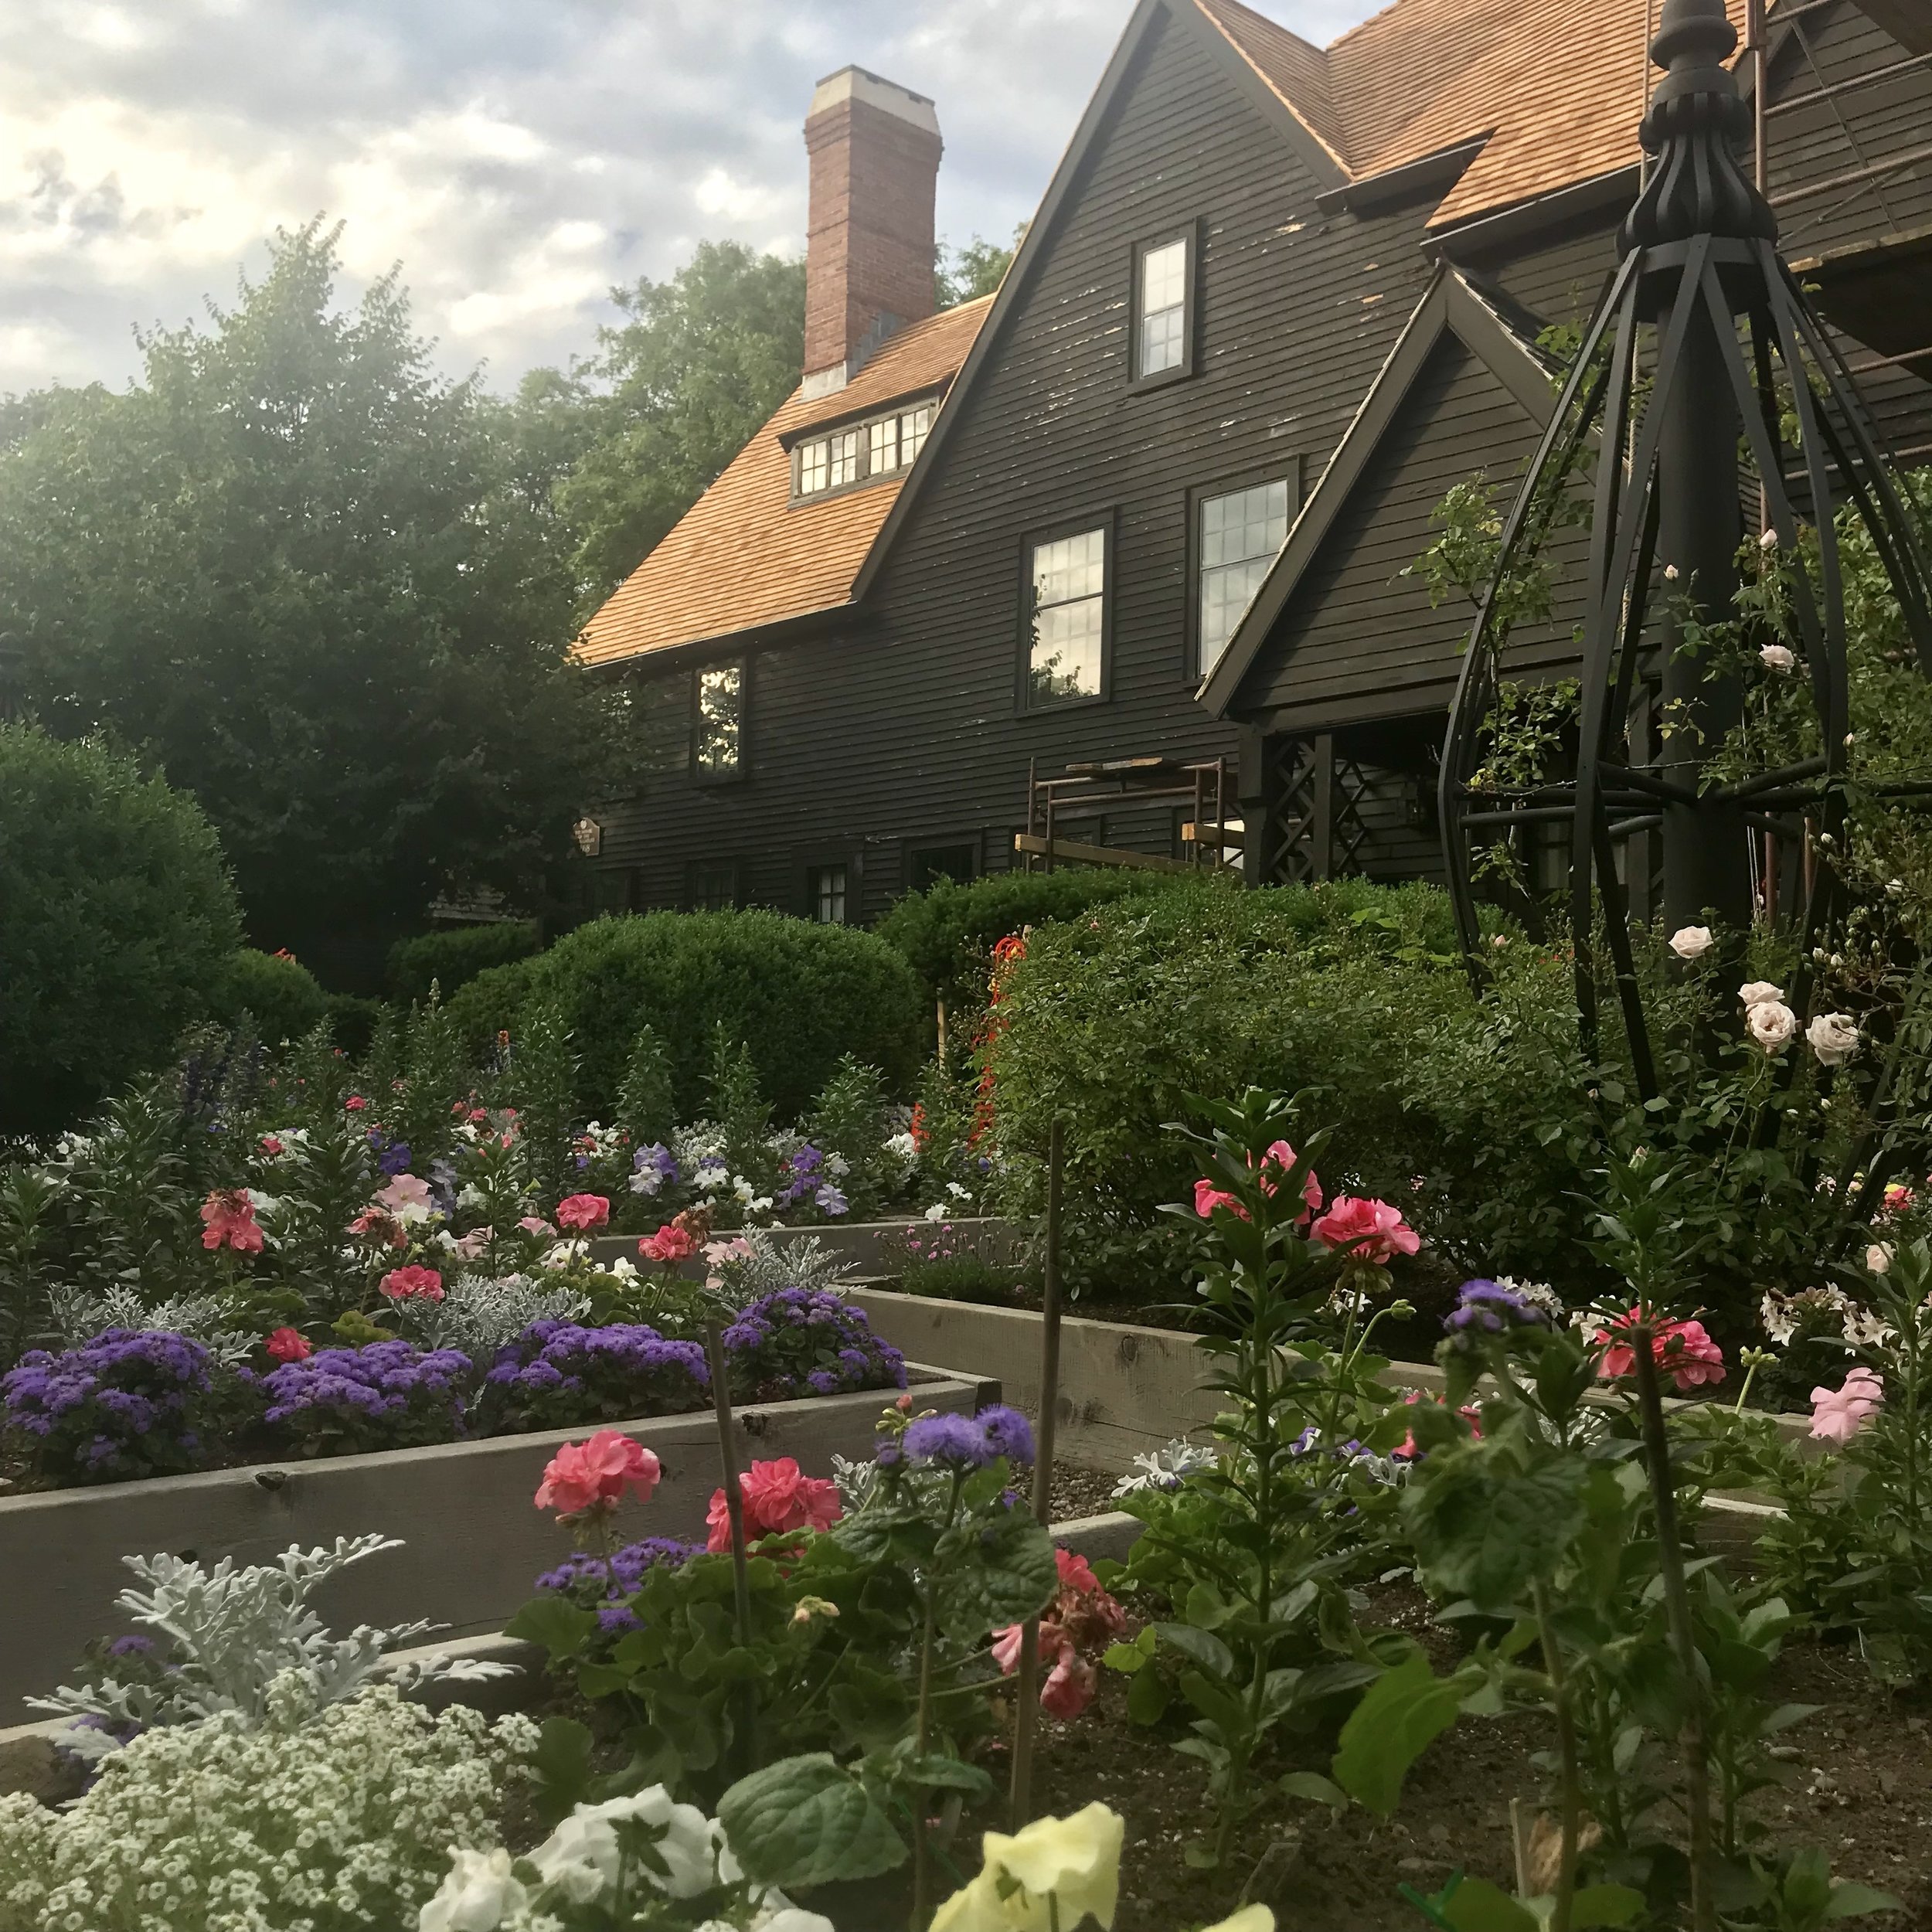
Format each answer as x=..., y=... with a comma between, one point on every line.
x=880, y=447
x=1163, y=305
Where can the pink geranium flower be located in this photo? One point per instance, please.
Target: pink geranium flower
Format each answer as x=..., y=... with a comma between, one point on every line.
x=1069, y=1689
x=670, y=1244
x=1208, y=1197
x=536, y=1224
x=778, y=1497
x=593, y=1474
x=228, y=1221
x=580, y=1211
x=289, y=1344
x=354, y=1104
x=1276, y=1164
x=1681, y=1349
x=1838, y=1414
x=271, y=1144
x=1370, y=1230
x=412, y=1284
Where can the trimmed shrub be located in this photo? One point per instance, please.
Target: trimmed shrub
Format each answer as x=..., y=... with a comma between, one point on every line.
x=798, y=996
x=351, y=1021
x=455, y=956
x=280, y=993
x=948, y=931
x=117, y=915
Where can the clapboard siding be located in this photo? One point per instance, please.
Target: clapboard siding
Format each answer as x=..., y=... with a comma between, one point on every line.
x=897, y=730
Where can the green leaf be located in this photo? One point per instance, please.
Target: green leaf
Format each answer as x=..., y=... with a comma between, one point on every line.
x=562, y=1765
x=1605, y=1905
x=935, y=1771
x=1404, y=1711
x=1148, y=1697
x=804, y=1820
x=1477, y=1906
x=1851, y=1900
x=560, y=1626
x=1485, y=1531
x=1312, y=1784
x=1011, y=1574
x=1199, y=1646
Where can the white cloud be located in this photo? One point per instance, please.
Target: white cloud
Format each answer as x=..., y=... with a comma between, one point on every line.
x=517, y=159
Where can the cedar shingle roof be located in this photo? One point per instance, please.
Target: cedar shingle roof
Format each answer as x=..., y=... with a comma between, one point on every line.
x=743, y=555
x=1557, y=86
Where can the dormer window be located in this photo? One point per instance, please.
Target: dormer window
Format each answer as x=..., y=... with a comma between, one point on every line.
x=1163, y=308
x=860, y=453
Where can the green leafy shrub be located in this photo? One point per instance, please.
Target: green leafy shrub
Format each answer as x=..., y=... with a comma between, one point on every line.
x=455, y=956
x=278, y=992
x=948, y=931
x=117, y=915
x=796, y=996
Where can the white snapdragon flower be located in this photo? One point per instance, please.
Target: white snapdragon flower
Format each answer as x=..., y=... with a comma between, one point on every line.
x=566, y=1253
x=472, y=1199
x=904, y=1146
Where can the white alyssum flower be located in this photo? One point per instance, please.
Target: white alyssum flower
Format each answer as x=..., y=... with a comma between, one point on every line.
x=1780, y=658
x=1691, y=942
x=332, y=1817
x=1772, y=1024
x=1538, y=1294
x=1834, y=1038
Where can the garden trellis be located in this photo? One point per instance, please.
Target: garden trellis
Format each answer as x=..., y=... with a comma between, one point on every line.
x=1704, y=345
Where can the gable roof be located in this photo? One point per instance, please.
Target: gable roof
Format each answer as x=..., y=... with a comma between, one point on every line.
x=1451, y=305
x=744, y=557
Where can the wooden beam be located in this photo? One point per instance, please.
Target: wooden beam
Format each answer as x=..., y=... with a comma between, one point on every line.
x=1063, y=851
x=1227, y=837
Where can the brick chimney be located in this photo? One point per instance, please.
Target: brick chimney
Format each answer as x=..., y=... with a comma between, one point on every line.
x=875, y=150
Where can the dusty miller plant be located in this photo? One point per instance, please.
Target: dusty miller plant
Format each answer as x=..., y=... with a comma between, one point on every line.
x=234, y=1631
x=74, y=1316
x=479, y=1315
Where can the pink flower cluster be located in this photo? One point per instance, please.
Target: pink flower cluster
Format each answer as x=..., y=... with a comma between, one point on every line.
x=1838, y=1414
x=228, y=1221
x=1365, y=1231
x=1277, y=1163
x=580, y=1212
x=778, y=1497
x=1681, y=1349
x=670, y=1244
x=414, y=1282
x=1082, y=1617
x=590, y=1478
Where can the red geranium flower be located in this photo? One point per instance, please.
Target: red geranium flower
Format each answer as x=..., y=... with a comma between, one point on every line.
x=671, y=1243
x=289, y=1344
x=580, y=1211
x=414, y=1282
x=777, y=1496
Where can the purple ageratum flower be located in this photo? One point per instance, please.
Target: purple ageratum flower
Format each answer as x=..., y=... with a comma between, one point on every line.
x=953, y=1442
x=1008, y=1431
x=387, y=1395
x=559, y=1374
x=779, y=1343
x=1489, y=1308
x=131, y=1647
x=601, y=1584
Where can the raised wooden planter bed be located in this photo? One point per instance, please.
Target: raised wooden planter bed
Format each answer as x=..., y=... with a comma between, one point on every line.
x=473, y=1539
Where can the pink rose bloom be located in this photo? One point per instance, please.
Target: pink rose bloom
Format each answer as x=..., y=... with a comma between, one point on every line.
x=412, y=1284
x=670, y=1244
x=406, y=1191
x=536, y=1224
x=1681, y=1349
x=1276, y=1165
x=1069, y=1689
x=1838, y=1414
x=580, y=1211
x=777, y=1496
x=228, y=1221
x=1370, y=1230
x=594, y=1475
x=289, y=1344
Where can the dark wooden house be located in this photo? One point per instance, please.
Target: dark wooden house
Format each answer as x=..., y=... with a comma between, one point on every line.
x=1154, y=500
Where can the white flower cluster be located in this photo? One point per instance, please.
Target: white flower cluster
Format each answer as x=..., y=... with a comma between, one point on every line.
x=324, y=1819
x=1166, y=1468
x=1782, y=1314
x=236, y=1634
x=1538, y=1294
x=479, y=1314
x=597, y=1862
x=75, y=1315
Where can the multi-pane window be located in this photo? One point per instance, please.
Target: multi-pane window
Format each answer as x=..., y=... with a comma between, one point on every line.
x=878, y=448
x=1161, y=309
x=1067, y=618
x=717, y=742
x=714, y=886
x=1242, y=533
x=829, y=895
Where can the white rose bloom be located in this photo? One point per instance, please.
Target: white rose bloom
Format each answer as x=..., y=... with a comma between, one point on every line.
x=1878, y=1257
x=1768, y=541
x=1777, y=657
x=478, y=1895
x=1772, y=1024
x=1691, y=942
x=1759, y=992
x=1834, y=1038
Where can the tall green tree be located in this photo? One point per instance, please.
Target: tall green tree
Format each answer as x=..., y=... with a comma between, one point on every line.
x=964, y=275
x=673, y=394
x=324, y=589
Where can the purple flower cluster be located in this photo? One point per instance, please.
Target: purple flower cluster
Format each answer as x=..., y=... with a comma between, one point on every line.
x=602, y=1583
x=388, y=1395
x=653, y=1168
x=970, y=1442
x=1487, y=1307
x=808, y=1181
x=127, y=1403
x=800, y=1341
x=559, y=1374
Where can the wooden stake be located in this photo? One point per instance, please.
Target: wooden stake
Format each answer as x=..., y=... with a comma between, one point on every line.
x=1026, y=1687
x=735, y=1513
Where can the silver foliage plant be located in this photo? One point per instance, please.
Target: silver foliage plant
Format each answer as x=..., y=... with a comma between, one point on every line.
x=234, y=1631
x=478, y=1315
x=76, y=1314
x=804, y=1261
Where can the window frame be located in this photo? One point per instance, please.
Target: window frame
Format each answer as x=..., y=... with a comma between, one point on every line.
x=1291, y=470
x=1188, y=235
x=733, y=870
x=741, y=769
x=860, y=427
x=1103, y=520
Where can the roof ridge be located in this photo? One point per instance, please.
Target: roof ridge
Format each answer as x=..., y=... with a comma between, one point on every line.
x=1206, y=8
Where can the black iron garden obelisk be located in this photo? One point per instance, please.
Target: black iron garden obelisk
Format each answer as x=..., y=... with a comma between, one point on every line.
x=1697, y=187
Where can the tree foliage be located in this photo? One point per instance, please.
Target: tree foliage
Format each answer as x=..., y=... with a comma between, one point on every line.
x=323, y=589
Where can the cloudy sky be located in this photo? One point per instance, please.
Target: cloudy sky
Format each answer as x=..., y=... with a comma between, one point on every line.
x=517, y=157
